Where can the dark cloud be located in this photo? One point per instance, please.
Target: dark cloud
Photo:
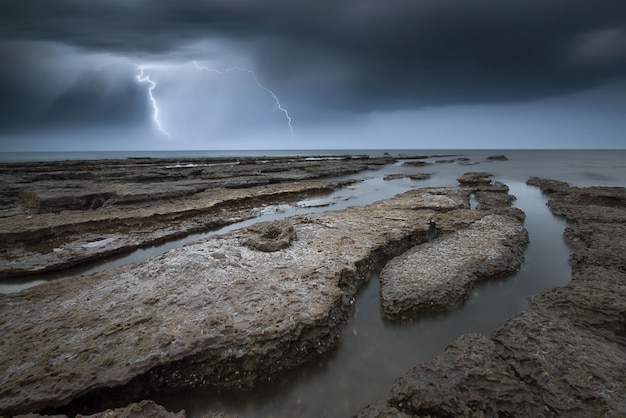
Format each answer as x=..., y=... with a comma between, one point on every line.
x=40, y=91
x=358, y=55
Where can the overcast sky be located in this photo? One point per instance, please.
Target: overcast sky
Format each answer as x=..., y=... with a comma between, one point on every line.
x=254, y=74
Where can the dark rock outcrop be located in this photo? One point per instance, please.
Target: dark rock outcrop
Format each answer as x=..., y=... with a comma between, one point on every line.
x=453, y=384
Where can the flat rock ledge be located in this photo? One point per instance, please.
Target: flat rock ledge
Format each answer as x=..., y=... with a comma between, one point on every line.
x=44, y=242
x=58, y=214
x=439, y=275
x=564, y=356
x=228, y=312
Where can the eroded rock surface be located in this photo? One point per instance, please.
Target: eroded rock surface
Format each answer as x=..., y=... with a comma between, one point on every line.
x=143, y=409
x=438, y=276
x=564, y=356
x=217, y=313
x=58, y=214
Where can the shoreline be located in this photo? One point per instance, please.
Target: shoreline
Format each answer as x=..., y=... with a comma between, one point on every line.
x=446, y=218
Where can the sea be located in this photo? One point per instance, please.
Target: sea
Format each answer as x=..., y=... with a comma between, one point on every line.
x=373, y=351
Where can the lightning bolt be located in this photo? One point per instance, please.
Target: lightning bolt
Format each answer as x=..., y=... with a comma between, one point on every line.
x=259, y=85
x=155, y=108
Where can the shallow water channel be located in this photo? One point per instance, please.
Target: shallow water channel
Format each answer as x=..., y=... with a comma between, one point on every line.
x=373, y=351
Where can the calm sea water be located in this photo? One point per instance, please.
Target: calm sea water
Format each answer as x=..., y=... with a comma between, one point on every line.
x=373, y=351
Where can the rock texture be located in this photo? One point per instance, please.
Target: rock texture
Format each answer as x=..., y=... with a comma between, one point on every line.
x=439, y=275
x=565, y=356
x=143, y=409
x=417, y=176
x=230, y=311
x=58, y=214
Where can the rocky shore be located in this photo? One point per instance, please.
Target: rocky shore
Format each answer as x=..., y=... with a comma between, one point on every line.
x=227, y=312
x=236, y=310
x=439, y=275
x=565, y=356
x=54, y=215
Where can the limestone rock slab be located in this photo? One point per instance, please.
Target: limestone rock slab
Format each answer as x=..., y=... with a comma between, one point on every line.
x=437, y=276
x=215, y=313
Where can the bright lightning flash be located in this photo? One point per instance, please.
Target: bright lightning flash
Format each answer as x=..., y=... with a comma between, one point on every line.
x=155, y=108
x=229, y=70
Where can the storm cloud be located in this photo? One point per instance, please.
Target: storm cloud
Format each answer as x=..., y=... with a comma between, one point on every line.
x=354, y=56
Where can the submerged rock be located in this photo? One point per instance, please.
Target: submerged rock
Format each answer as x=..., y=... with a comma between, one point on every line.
x=418, y=176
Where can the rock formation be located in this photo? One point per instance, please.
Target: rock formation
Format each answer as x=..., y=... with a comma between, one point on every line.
x=58, y=214
x=227, y=312
x=564, y=356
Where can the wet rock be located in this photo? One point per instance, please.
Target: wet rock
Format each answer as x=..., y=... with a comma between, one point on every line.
x=594, y=300
x=597, y=244
x=497, y=157
x=439, y=199
x=270, y=236
x=492, y=201
x=475, y=245
x=146, y=408
x=572, y=370
x=390, y=177
x=451, y=221
x=564, y=356
x=499, y=203
x=419, y=176
x=415, y=163
x=439, y=275
x=48, y=242
x=475, y=179
x=212, y=314
x=47, y=208
x=382, y=411
x=548, y=186
x=460, y=383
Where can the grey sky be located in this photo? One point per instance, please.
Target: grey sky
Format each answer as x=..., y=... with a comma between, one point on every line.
x=352, y=74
